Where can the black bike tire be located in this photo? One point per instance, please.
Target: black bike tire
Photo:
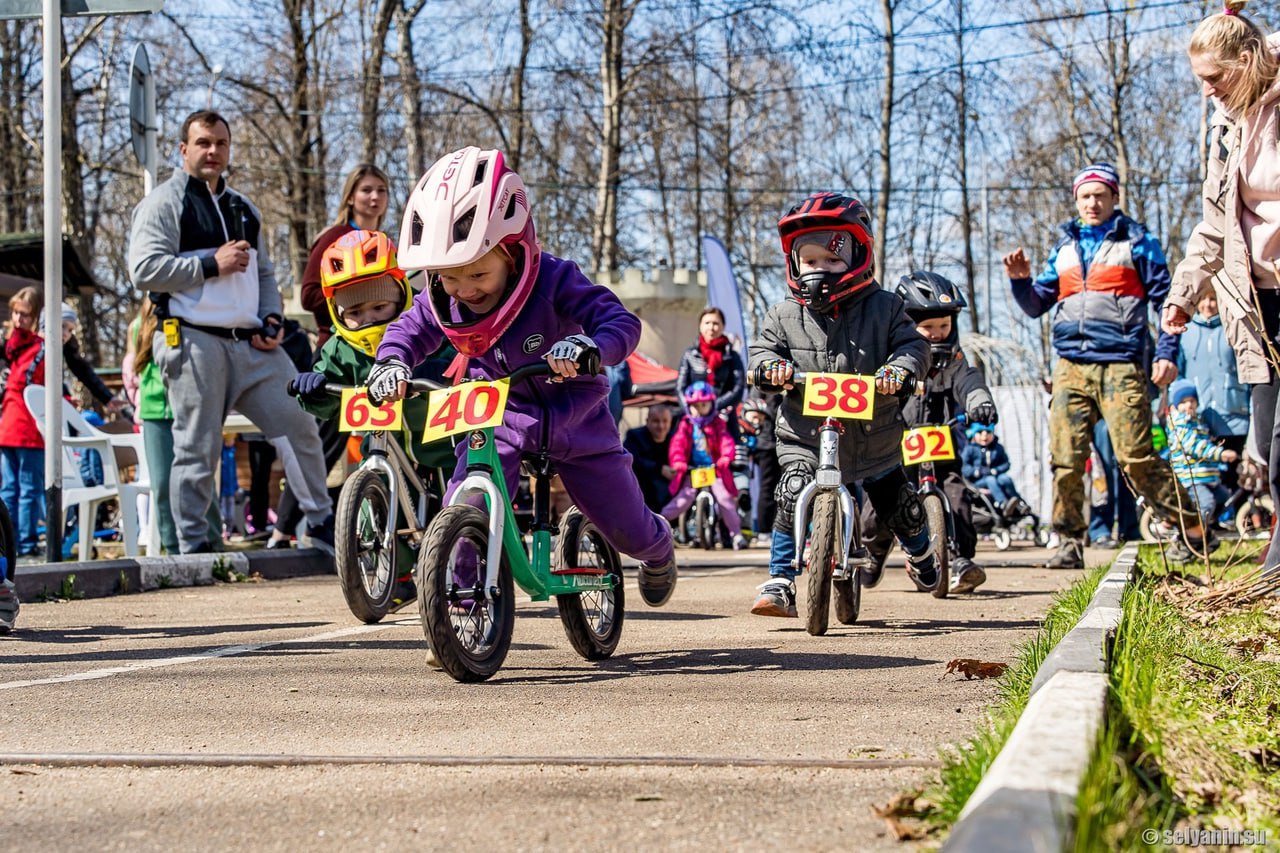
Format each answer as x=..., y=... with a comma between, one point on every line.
x=704, y=524
x=450, y=525
x=363, y=488
x=824, y=550
x=590, y=643
x=935, y=515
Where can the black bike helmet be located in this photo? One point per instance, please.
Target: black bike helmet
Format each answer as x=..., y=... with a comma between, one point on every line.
x=928, y=295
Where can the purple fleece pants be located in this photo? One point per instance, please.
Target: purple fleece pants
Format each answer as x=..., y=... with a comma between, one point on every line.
x=595, y=470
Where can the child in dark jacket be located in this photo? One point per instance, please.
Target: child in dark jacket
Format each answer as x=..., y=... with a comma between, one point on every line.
x=953, y=387
x=504, y=304
x=840, y=320
x=986, y=465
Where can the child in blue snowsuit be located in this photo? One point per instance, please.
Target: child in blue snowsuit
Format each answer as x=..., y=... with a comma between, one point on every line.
x=986, y=464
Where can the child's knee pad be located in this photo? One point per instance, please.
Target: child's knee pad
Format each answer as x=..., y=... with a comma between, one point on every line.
x=896, y=503
x=793, y=479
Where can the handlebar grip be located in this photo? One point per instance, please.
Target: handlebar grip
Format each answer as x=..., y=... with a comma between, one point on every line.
x=589, y=362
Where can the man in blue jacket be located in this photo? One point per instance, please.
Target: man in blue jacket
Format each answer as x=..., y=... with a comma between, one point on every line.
x=1102, y=278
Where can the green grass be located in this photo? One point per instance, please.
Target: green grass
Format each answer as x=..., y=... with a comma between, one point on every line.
x=963, y=767
x=1191, y=739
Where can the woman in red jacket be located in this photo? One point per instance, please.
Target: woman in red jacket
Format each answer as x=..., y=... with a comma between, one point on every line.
x=21, y=446
x=702, y=440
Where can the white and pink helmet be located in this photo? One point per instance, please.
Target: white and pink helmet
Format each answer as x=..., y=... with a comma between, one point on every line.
x=468, y=203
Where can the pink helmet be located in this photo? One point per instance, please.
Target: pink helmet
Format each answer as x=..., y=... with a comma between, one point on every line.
x=468, y=203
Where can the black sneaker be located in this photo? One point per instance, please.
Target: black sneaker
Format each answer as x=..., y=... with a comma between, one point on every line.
x=405, y=593
x=657, y=582
x=777, y=598
x=966, y=575
x=923, y=571
x=1070, y=555
x=321, y=535
x=1186, y=550
x=871, y=570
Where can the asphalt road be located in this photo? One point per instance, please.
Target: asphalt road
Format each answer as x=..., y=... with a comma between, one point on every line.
x=263, y=716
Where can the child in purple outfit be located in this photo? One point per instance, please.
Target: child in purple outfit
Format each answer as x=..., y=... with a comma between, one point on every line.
x=504, y=303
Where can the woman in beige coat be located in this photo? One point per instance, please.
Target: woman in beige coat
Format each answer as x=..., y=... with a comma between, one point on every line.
x=1236, y=247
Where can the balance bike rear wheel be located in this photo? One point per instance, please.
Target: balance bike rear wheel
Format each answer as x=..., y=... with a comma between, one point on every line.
x=470, y=636
x=705, y=525
x=592, y=620
x=364, y=555
x=823, y=552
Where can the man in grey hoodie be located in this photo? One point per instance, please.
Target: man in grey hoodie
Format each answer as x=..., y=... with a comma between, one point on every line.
x=195, y=247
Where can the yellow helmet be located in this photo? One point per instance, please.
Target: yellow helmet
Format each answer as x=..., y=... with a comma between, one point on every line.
x=361, y=267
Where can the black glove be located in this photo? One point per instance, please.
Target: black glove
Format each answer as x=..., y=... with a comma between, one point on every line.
x=760, y=379
x=985, y=414
x=309, y=386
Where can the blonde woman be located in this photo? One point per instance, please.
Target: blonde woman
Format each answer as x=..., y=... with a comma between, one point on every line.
x=1235, y=250
x=365, y=196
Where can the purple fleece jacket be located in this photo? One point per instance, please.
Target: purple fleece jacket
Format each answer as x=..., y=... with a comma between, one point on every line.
x=563, y=302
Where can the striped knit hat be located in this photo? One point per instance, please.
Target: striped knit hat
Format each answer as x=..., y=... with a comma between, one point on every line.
x=1103, y=173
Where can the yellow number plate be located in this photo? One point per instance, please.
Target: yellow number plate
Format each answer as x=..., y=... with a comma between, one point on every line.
x=359, y=415
x=702, y=477
x=473, y=405
x=840, y=395
x=927, y=444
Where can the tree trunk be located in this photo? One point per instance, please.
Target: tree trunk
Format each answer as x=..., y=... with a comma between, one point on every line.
x=886, y=136
x=962, y=141
x=411, y=96
x=519, y=119
x=604, y=239
x=371, y=79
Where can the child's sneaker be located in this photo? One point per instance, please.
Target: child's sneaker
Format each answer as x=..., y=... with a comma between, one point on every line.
x=8, y=606
x=739, y=542
x=966, y=575
x=657, y=582
x=923, y=571
x=777, y=598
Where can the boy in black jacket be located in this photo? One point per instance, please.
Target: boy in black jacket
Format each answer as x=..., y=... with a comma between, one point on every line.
x=952, y=386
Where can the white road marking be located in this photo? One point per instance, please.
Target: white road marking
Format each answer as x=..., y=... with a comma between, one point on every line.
x=225, y=651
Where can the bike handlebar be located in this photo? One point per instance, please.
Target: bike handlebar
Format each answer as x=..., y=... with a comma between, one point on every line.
x=800, y=377
x=589, y=363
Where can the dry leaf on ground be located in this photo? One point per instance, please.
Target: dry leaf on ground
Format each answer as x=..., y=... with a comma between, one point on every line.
x=972, y=668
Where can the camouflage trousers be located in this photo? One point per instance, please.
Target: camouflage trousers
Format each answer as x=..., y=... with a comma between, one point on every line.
x=1116, y=393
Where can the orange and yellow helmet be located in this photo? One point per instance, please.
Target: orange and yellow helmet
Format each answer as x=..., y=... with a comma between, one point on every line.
x=361, y=267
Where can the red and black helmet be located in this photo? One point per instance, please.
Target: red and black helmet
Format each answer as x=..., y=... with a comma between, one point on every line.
x=845, y=217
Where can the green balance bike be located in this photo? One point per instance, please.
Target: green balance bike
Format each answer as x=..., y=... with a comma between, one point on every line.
x=474, y=555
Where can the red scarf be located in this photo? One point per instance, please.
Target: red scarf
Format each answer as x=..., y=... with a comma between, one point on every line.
x=713, y=354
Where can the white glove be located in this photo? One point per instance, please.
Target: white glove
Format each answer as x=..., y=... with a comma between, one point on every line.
x=385, y=378
x=572, y=347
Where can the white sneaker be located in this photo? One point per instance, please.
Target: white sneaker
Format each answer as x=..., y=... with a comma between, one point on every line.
x=739, y=542
x=8, y=606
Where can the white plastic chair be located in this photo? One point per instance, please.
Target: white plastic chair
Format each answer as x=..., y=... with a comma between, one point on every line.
x=87, y=498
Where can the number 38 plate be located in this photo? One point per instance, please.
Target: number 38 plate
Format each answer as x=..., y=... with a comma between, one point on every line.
x=840, y=395
x=927, y=444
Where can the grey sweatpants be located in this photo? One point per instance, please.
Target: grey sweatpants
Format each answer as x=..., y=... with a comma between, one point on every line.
x=206, y=377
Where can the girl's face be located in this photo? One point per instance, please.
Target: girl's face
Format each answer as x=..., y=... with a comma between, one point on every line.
x=68, y=329
x=701, y=409
x=23, y=316
x=710, y=327
x=369, y=198
x=480, y=284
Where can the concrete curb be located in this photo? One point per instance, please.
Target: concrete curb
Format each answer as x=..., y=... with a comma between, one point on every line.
x=1027, y=799
x=101, y=578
